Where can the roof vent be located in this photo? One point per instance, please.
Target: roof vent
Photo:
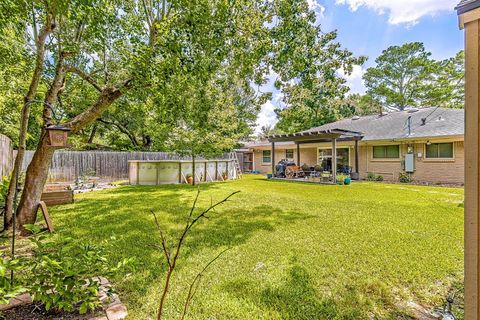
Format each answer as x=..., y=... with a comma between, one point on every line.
x=412, y=110
x=355, y=118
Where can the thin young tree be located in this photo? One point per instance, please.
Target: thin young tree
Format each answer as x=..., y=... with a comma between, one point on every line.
x=171, y=256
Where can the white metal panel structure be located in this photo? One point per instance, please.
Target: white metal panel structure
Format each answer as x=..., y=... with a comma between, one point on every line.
x=156, y=172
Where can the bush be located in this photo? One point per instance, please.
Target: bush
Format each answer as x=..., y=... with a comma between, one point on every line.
x=305, y=167
x=341, y=178
x=62, y=273
x=371, y=176
x=379, y=178
x=7, y=290
x=404, y=177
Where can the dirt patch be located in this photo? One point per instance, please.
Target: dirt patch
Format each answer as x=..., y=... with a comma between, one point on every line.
x=36, y=311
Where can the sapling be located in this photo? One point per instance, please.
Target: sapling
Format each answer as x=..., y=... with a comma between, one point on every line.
x=171, y=256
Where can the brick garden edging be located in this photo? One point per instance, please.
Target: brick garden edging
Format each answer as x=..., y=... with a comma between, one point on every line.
x=113, y=309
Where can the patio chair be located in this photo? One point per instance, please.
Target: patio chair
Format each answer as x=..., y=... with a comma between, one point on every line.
x=294, y=172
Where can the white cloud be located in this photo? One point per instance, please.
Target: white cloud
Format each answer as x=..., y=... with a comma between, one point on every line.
x=402, y=11
x=354, y=80
x=267, y=116
x=315, y=6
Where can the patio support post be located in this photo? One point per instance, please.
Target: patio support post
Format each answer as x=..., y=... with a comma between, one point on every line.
x=357, y=174
x=334, y=160
x=470, y=20
x=298, y=155
x=272, y=158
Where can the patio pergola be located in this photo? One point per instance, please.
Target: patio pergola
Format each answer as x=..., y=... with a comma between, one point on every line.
x=331, y=136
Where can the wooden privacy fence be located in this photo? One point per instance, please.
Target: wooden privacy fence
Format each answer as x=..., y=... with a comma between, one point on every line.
x=6, y=156
x=67, y=166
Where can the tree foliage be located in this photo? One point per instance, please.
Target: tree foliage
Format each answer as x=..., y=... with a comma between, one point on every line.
x=212, y=118
x=448, y=86
x=407, y=76
x=311, y=80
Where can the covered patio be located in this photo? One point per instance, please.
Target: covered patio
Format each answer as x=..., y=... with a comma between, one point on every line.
x=332, y=136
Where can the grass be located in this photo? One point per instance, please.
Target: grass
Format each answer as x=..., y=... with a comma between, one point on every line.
x=298, y=251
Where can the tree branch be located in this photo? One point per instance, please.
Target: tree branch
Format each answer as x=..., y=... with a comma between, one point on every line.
x=193, y=289
x=104, y=100
x=122, y=129
x=85, y=76
x=164, y=243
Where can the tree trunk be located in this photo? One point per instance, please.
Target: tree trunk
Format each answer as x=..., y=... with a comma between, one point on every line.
x=36, y=177
x=17, y=166
x=37, y=171
x=25, y=115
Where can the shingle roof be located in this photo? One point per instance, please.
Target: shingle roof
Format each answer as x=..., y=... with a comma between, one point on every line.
x=440, y=122
x=467, y=5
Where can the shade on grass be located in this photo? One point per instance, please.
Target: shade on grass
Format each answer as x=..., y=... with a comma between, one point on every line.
x=298, y=251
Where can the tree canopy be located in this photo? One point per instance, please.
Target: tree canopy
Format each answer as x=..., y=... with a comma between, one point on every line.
x=309, y=94
x=407, y=76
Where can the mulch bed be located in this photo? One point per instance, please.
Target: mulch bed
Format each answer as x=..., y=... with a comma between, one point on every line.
x=36, y=311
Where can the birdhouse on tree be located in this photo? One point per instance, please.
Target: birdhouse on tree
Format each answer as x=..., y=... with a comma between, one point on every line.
x=57, y=135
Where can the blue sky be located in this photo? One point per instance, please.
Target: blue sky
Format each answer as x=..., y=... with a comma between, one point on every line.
x=366, y=27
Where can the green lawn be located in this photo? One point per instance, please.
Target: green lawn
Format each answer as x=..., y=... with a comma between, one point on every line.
x=298, y=251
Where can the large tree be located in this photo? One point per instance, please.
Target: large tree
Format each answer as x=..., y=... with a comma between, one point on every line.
x=105, y=54
x=447, y=89
x=212, y=117
x=407, y=76
x=308, y=93
x=115, y=47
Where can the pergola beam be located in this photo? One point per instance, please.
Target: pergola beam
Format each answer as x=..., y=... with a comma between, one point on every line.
x=309, y=137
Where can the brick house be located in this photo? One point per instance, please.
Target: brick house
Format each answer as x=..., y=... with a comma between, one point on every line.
x=427, y=143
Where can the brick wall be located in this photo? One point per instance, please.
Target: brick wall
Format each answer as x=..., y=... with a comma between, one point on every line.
x=307, y=155
x=440, y=171
x=426, y=170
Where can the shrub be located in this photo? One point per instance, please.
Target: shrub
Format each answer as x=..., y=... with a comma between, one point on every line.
x=404, y=177
x=371, y=176
x=305, y=167
x=7, y=290
x=318, y=168
x=62, y=274
x=379, y=178
x=341, y=178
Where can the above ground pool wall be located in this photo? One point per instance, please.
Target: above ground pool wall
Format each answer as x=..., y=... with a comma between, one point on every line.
x=145, y=172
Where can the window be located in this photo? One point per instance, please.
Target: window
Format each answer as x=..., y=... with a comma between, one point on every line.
x=439, y=150
x=386, y=152
x=267, y=156
x=289, y=154
x=325, y=159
